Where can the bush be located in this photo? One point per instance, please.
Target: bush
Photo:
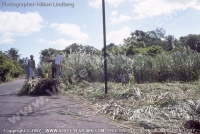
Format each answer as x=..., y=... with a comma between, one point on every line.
x=154, y=50
x=9, y=69
x=149, y=51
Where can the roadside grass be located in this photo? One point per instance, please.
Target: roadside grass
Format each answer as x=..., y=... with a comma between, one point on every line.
x=22, y=76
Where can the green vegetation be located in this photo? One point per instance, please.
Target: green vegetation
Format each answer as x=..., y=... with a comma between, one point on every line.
x=142, y=101
x=182, y=65
x=10, y=65
x=143, y=54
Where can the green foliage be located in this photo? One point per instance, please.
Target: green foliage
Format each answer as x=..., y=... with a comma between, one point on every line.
x=193, y=41
x=78, y=48
x=9, y=69
x=144, y=54
x=169, y=42
x=73, y=48
x=140, y=39
x=12, y=53
x=154, y=50
x=175, y=66
x=148, y=51
x=45, y=67
x=48, y=53
x=132, y=50
x=110, y=48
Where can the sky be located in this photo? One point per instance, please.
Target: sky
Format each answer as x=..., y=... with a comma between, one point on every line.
x=32, y=25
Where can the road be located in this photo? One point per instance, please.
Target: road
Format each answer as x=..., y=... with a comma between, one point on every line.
x=47, y=114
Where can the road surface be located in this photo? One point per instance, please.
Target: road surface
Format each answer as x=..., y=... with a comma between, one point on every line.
x=47, y=114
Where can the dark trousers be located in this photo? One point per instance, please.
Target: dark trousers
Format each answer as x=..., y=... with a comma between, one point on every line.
x=53, y=72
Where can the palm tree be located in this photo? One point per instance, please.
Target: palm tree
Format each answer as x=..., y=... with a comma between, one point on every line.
x=13, y=54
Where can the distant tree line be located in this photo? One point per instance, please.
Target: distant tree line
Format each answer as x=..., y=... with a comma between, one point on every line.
x=148, y=43
x=154, y=42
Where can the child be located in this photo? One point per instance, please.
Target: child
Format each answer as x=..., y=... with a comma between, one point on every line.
x=123, y=80
x=46, y=74
x=159, y=77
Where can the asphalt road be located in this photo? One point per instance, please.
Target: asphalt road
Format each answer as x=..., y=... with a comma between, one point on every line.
x=47, y=114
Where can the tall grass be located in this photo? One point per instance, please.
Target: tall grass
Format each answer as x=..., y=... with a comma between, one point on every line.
x=174, y=66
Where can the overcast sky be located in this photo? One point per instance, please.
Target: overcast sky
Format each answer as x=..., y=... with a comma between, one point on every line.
x=31, y=27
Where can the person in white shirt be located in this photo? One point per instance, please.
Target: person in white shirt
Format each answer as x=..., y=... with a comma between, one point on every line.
x=59, y=60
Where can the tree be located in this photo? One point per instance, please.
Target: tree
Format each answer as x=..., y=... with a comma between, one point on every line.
x=48, y=53
x=153, y=37
x=89, y=50
x=12, y=53
x=130, y=40
x=154, y=50
x=139, y=35
x=131, y=50
x=192, y=41
x=9, y=65
x=160, y=33
x=132, y=34
x=110, y=47
x=136, y=36
x=182, y=39
x=73, y=48
x=170, y=42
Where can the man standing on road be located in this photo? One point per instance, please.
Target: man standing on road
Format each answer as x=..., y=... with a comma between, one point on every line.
x=26, y=67
x=58, y=62
x=31, y=64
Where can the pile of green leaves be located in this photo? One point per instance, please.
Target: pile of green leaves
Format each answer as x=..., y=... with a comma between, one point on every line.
x=42, y=86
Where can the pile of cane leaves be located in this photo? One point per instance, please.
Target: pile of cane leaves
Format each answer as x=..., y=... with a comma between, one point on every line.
x=42, y=86
x=150, y=105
